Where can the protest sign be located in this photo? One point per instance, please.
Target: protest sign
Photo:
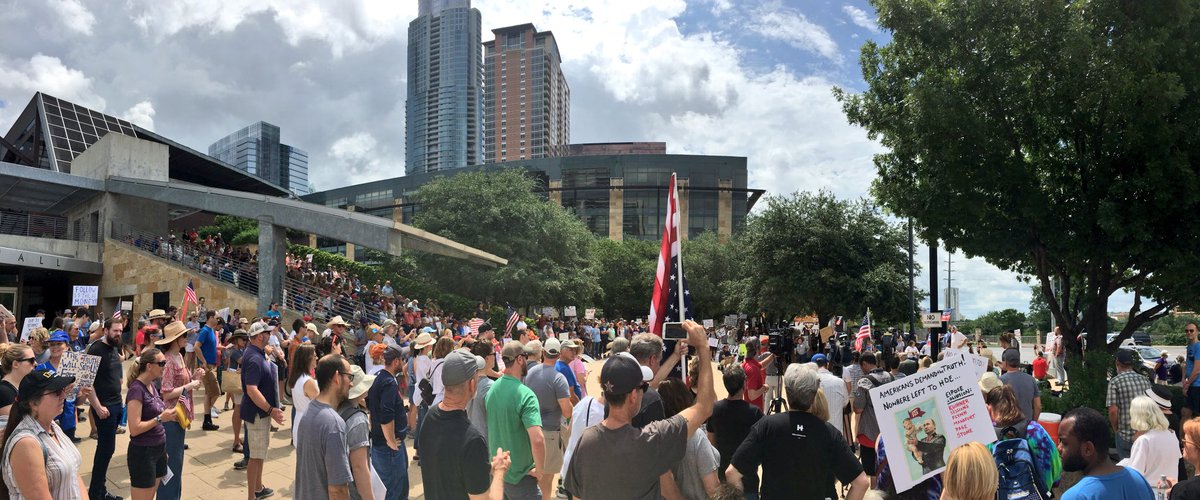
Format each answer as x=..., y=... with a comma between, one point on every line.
x=84, y=295
x=126, y=305
x=569, y=311
x=731, y=320
x=81, y=366
x=708, y=323
x=712, y=342
x=924, y=416
x=589, y=313
x=30, y=324
x=223, y=313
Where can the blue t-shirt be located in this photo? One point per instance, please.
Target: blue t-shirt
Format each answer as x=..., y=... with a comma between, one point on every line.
x=207, y=340
x=565, y=369
x=272, y=314
x=1193, y=352
x=1126, y=483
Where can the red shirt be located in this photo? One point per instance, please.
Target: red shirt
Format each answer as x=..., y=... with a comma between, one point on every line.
x=755, y=379
x=1039, y=368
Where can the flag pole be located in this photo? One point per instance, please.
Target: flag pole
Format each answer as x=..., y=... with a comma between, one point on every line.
x=679, y=272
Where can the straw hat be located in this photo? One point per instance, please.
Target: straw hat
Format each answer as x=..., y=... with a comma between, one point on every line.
x=172, y=332
x=424, y=340
x=157, y=314
x=337, y=320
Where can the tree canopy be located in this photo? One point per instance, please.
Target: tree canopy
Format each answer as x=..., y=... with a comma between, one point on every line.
x=1054, y=139
x=499, y=211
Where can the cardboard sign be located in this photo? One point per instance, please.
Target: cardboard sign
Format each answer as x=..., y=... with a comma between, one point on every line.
x=712, y=342
x=126, y=305
x=569, y=311
x=81, y=366
x=924, y=416
x=224, y=313
x=589, y=313
x=30, y=324
x=931, y=320
x=731, y=320
x=708, y=323
x=84, y=295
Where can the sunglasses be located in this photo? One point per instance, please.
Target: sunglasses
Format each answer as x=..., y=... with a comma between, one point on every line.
x=1190, y=330
x=62, y=393
x=161, y=364
x=27, y=360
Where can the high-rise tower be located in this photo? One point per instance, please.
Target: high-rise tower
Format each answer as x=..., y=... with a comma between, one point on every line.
x=527, y=100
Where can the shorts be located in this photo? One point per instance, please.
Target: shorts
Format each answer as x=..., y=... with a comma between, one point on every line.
x=867, y=457
x=554, y=450
x=1193, y=399
x=146, y=464
x=211, y=389
x=231, y=383
x=258, y=436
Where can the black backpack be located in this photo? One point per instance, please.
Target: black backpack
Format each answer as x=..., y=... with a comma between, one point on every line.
x=426, y=387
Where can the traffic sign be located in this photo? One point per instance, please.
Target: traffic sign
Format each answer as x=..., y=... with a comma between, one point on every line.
x=931, y=319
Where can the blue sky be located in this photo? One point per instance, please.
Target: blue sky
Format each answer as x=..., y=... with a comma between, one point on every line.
x=745, y=78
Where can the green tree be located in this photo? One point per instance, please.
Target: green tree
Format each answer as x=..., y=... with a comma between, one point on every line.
x=498, y=211
x=1054, y=139
x=1039, y=310
x=625, y=271
x=710, y=267
x=811, y=252
x=995, y=322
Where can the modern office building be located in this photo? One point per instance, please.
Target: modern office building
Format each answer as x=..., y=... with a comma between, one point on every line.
x=616, y=195
x=527, y=101
x=256, y=149
x=443, y=112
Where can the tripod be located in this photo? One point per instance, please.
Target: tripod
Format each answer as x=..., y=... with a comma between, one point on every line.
x=778, y=403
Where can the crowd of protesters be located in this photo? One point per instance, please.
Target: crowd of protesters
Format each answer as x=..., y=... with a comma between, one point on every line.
x=507, y=414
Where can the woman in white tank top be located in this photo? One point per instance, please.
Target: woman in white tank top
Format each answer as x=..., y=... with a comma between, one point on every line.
x=304, y=387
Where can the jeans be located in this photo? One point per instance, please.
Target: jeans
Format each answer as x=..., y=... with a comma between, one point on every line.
x=1124, y=448
x=422, y=409
x=175, y=434
x=526, y=489
x=392, y=467
x=106, y=444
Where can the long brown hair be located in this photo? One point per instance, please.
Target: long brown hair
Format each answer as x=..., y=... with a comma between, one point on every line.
x=19, y=411
x=139, y=367
x=304, y=356
x=10, y=354
x=1005, y=410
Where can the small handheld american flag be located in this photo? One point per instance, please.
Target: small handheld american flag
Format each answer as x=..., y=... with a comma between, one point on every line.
x=513, y=317
x=474, y=325
x=864, y=332
x=189, y=297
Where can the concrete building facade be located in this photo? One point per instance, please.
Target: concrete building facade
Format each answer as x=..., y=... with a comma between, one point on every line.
x=527, y=101
x=443, y=111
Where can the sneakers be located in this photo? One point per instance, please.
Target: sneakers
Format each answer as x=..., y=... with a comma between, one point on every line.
x=240, y=465
x=215, y=413
x=209, y=426
x=561, y=492
x=264, y=493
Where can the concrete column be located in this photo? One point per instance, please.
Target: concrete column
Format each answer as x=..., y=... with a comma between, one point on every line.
x=398, y=211
x=725, y=210
x=683, y=208
x=555, y=193
x=312, y=240
x=350, y=246
x=616, y=208
x=272, y=247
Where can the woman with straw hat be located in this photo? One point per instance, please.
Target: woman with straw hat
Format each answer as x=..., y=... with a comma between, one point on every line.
x=422, y=366
x=177, y=386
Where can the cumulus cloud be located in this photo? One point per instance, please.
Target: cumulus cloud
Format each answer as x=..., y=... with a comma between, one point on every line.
x=356, y=154
x=74, y=15
x=141, y=114
x=790, y=26
x=860, y=18
x=20, y=79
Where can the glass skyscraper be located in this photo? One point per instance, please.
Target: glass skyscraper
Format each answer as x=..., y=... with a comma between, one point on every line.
x=257, y=150
x=443, y=115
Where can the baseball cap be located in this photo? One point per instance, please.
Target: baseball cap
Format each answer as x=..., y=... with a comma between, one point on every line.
x=622, y=374
x=257, y=328
x=1011, y=357
x=391, y=354
x=58, y=336
x=552, y=346
x=533, y=347
x=41, y=381
x=513, y=350
x=460, y=366
x=485, y=327
x=1125, y=356
x=819, y=359
x=570, y=344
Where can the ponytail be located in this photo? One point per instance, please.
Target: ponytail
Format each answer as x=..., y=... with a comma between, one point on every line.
x=140, y=364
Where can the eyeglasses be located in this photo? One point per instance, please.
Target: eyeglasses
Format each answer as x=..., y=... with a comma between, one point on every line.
x=1190, y=330
x=161, y=363
x=27, y=360
x=62, y=393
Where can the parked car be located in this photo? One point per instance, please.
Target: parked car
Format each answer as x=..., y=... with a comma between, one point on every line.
x=1141, y=338
x=1124, y=343
x=1148, y=355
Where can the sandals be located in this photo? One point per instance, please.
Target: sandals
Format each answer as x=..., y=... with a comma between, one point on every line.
x=237, y=448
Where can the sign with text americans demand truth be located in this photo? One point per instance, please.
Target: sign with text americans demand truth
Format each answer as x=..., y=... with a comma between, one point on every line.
x=924, y=416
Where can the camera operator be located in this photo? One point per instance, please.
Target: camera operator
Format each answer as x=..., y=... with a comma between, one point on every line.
x=756, y=378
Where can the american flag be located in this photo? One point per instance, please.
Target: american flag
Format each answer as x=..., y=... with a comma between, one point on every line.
x=116, y=315
x=946, y=313
x=864, y=332
x=513, y=317
x=189, y=297
x=474, y=325
x=670, y=287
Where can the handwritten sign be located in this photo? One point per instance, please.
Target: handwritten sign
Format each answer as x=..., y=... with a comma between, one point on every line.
x=924, y=416
x=126, y=305
x=569, y=311
x=30, y=324
x=81, y=366
x=589, y=313
x=84, y=295
x=708, y=323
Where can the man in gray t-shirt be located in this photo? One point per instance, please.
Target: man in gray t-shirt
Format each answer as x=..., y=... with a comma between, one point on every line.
x=322, y=455
x=554, y=401
x=1023, y=384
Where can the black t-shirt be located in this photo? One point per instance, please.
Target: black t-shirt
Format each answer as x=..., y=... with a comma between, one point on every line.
x=730, y=422
x=454, y=458
x=8, y=394
x=108, y=375
x=652, y=410
x=801, y=455
x=1186, y=490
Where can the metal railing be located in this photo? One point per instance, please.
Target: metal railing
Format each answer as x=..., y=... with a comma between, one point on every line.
x=35, y=225
x=297, y=295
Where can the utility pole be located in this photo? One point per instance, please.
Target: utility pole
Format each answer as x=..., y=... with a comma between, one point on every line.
x=912, y=290
x=950, y=285
x=934, y=333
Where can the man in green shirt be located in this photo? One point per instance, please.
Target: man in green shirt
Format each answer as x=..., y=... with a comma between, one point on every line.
x=514, y=422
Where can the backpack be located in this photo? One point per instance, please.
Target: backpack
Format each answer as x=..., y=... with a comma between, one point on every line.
x=426, y=387
x=1018, y=476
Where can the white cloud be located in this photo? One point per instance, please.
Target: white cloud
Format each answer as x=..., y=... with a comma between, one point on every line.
x=74, y=15
x=357, y=155
x=860, y=18
x=20, y=79
x=790, y=26
x=141, y=114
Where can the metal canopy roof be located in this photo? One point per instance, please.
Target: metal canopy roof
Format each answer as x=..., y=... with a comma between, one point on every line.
x=32, y=189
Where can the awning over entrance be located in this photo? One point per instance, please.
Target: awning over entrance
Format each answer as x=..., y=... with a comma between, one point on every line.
x=31, y=189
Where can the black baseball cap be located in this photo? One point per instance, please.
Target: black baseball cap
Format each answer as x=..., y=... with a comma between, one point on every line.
x=485, y=327
x=42, y=381
x=1125, y=356
x=622, y=374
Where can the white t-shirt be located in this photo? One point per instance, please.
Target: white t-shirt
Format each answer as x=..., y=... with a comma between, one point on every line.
x=835, y=393
x=587, y=412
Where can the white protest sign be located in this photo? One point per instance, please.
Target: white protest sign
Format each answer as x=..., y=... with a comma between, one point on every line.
x=81, y=366
x=30, y=324
x=978, y=363
x=84, y=295
x=931, y=320
x=569, y=311
x=126, y=305
x=712, y=342
x=708, y=323
x=924, y=416
x=731, y=320
x=589, y=313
